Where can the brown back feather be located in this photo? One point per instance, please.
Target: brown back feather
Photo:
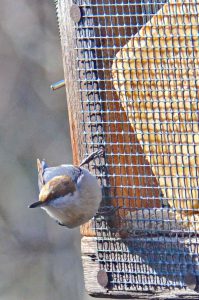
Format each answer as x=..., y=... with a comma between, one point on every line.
x=57, y=187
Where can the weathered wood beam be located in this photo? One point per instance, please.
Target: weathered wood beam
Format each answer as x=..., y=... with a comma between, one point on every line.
x=98, y=279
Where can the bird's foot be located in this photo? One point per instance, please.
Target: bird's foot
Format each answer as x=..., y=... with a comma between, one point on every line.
x=107, y=211
x=98, y=153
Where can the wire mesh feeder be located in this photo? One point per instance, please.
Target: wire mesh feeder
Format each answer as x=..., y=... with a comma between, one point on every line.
x=132, y=76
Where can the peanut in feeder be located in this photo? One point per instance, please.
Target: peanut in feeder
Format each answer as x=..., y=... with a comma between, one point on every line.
x=155, y=76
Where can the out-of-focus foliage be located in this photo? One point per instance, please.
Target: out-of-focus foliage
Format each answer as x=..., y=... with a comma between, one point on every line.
x=38, y=259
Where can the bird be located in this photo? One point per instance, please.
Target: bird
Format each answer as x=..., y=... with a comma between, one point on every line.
x=69, y=194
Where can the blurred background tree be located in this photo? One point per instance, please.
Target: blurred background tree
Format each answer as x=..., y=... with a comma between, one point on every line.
x=38, y=259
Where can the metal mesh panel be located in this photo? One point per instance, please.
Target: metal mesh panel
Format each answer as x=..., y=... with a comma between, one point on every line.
x=137, y=67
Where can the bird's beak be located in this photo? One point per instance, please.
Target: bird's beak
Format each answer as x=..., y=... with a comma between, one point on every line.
x=35, y=204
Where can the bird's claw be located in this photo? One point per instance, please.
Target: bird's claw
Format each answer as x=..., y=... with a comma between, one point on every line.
x=106, y=212
x=92, y=156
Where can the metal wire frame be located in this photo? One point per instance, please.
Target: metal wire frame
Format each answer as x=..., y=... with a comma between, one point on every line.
x=144, y=263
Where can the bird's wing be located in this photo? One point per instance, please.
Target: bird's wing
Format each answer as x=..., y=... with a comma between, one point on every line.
x=59, y=186
x=156, y=78
x=68, y=170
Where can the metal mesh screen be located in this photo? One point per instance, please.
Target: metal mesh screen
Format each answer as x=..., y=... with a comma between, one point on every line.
x=137, y=67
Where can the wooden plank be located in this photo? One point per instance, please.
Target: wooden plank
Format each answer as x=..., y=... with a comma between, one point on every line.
x=92, y=263
x=67, y=34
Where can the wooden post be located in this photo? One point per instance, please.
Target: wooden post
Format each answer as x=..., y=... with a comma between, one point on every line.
x=67, y=33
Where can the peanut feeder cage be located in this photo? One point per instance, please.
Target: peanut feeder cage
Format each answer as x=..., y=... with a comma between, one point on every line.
x=132, y=77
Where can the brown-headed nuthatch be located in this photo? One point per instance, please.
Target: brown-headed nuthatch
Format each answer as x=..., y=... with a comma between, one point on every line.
x=69, y=194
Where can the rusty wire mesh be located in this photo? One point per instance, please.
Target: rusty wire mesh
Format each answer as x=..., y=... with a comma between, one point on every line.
x=137, y=67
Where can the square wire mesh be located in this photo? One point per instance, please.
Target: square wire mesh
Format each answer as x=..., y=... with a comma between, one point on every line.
x=137, y=68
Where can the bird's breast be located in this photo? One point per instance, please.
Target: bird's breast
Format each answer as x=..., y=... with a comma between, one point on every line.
x=71, y=210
